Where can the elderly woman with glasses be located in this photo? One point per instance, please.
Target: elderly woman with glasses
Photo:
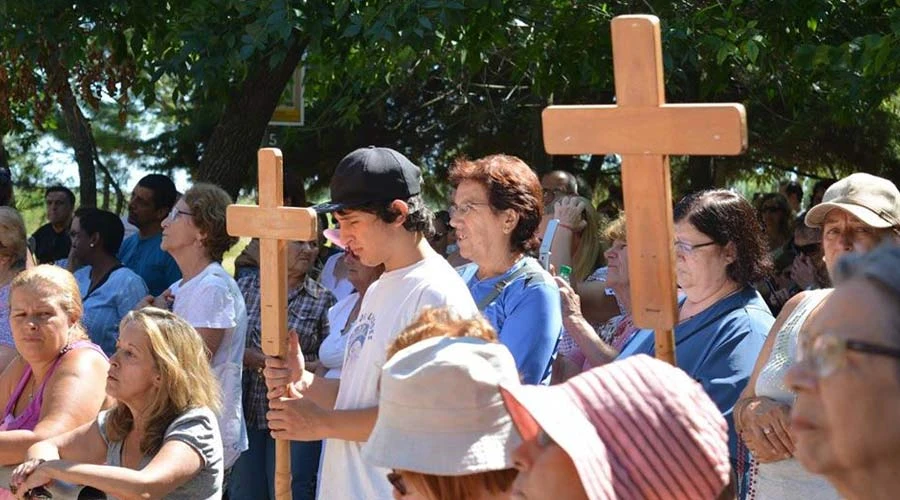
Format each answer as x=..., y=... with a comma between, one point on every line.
x=497, y=207
x=847, y=382
x=722, y=320
x=209, y=299
x=856, y=214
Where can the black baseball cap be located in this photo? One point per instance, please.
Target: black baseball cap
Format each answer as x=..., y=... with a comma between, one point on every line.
x=371, y=174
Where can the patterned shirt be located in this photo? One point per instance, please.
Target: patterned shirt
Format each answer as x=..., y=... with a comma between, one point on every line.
x=307, y=315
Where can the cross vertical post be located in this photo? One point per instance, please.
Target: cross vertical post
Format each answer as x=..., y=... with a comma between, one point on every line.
x=645, y=130
x=274, y=225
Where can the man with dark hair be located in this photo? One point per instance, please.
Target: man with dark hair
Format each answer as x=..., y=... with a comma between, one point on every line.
x=51, y=241
x=376, y=198
x=151, y=201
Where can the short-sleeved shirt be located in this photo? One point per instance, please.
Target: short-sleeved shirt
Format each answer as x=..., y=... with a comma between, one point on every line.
x=390, y=304
x=307, y=315
x=105, y=306
x=212, y=300
x=526, y=315
x=50, y=246
x=718, y=347
x=331, y=352
x=196, y=428
x=150, y=262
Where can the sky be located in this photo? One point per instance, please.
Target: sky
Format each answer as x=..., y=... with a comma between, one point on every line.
x=60, y=163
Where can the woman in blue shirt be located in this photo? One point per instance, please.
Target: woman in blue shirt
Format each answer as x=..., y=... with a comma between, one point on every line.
x=722, y=320
x=496, y=210
x=108, y=289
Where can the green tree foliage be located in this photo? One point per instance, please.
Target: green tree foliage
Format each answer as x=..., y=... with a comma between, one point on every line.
x=443, y=78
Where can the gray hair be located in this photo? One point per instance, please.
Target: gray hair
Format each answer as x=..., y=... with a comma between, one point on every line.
x=881, y=266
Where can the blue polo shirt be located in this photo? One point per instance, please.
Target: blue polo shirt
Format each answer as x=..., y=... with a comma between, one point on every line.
x=144, y=256
x=526, y=315
x=108, y=303
x=718, y=347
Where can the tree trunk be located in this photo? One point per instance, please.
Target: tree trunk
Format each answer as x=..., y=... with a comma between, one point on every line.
x=79, y=130
x=231, y=150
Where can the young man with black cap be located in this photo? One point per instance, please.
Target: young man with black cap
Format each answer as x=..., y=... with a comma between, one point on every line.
x=376, y=199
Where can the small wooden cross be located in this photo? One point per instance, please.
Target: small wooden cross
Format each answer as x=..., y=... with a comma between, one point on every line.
x=645, y=130
x=274, y=225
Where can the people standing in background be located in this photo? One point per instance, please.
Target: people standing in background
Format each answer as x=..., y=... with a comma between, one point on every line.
x=151, y=202
x=108, y=289
x=307, y=315
x=50, y=242
x=793, y=192
x=557, y=184
x=342, y=315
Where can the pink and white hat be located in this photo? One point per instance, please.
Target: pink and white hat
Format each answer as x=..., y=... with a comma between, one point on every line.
x=636, y=428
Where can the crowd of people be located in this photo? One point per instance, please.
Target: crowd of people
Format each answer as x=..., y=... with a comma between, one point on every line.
x=436, y=356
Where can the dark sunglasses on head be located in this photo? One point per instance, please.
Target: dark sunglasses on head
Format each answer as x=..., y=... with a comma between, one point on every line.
x=396, y=481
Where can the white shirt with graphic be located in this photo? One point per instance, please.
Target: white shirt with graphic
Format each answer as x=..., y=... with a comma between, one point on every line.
x=390, y=304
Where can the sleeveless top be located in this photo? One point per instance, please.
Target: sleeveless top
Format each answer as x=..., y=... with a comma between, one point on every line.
x=28, y=419
x=787, y=479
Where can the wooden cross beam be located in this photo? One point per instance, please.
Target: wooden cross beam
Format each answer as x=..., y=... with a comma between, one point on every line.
x=274, y=225
x=645, y=130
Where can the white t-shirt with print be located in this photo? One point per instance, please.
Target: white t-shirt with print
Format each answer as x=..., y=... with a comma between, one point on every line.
x=390, y=304
x=213, y=300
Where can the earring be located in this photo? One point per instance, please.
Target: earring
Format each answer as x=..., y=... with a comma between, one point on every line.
x=92, y=245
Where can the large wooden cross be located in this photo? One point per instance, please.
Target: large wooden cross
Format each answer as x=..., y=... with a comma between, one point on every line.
x=274, y=225
x=645, y=130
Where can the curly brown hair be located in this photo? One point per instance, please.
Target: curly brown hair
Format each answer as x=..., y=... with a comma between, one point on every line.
x=727, y=217
x=511, y=184
x=207, y=204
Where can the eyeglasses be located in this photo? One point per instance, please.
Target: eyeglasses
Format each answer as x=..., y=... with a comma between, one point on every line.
x=396, y=481
x=175, y=213
x=465, y=208
x=828, y=353
x=770, y=209
x=687, y=248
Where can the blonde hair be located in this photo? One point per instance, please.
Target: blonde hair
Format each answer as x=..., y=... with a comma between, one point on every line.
x=615, y=230
x=186, y=379
x=207, y=204
x=589, y=248
x=441, y=322
x=57, y=284
x=467, y=486
x=12, y=236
